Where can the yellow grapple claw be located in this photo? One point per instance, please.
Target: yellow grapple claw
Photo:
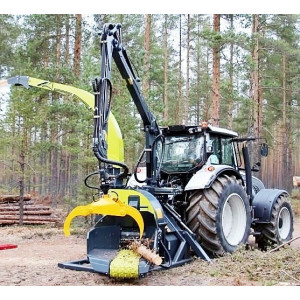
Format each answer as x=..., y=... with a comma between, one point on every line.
x=106, y=205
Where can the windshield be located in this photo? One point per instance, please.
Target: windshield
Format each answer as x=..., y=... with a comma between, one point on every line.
x=182, y=153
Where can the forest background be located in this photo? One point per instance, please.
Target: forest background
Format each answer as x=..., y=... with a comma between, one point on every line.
x=238, y=71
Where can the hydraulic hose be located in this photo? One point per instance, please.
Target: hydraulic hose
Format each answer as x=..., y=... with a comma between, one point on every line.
x=86, y=179
x=157, y=171
x=169, y=256
x=103, y=91
x=112, y=162
x=136, y=167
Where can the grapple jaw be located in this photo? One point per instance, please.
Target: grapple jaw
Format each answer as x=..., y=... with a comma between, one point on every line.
x=127, y=216
x=132, y=218
x=109, y=205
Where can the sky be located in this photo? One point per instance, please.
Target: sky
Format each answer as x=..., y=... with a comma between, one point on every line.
x=152, y=6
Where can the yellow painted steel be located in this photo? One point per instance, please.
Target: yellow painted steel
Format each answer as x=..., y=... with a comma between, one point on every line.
x=115, y=142
x=125, y=265
x=145, y=204
x=106, y=205
x=85, y=96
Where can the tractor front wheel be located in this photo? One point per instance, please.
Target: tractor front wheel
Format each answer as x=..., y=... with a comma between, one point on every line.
x=220, y=216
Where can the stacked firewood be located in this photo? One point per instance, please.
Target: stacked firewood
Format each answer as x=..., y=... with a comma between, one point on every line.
x=32, y=213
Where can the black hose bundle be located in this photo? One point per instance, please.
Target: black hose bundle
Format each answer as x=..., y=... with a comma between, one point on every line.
x=103, y=91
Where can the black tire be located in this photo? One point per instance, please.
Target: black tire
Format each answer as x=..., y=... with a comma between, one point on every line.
x=280, y=229
x=209, y=209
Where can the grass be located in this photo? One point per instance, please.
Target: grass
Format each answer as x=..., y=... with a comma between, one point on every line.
x=246, y=267
x=295, y=201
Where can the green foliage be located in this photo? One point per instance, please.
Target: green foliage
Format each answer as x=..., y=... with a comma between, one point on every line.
x=9, y=32
x=56, y=129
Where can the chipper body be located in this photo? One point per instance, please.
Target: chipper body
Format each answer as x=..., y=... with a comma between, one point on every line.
x=196, y=195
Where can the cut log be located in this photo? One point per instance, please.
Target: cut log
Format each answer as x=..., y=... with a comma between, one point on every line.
x=33, y=213
x=146, y=253
x=26, y=208
x=26, y=212
x=16, y=203
x=13, y=198
x=29, y=218
x=25, y=222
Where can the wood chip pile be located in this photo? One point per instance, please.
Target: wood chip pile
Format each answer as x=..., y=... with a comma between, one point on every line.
x=32, y=213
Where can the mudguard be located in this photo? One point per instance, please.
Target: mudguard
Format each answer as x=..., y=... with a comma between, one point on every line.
x=257, y=184
x=263, y=204
x=204, y=178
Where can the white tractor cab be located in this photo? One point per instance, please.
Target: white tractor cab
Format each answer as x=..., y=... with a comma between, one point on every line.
x=216, y=194
x=185, y=153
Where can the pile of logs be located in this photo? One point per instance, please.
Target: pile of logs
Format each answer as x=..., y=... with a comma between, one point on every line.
x=32, y=213
x=296, y=181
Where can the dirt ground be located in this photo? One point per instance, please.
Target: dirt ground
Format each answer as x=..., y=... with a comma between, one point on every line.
x=34, y=263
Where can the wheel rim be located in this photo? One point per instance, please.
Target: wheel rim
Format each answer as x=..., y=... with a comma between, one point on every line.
x=234, y=219
x=284, y=223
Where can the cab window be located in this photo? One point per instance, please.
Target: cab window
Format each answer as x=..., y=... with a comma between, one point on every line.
x=223, y=150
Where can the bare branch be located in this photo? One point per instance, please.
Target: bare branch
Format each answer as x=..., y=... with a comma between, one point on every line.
x=288, y=242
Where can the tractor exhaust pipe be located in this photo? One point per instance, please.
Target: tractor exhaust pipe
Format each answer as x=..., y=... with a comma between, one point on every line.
x=248, y=174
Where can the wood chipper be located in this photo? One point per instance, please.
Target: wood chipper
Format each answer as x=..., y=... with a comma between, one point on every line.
x=197, y=196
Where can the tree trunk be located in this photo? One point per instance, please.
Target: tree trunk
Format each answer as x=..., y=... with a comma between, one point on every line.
x=255, y=126
x=58, y=45
x=67, y=35
x=254, y=92
x=166, y=60
x=198, y=92
x=287, y=179
x=283, y=127
x=147, y=38
x=54, y=128
x=54, y=166
x=43, y=162
x=22, y=178
x=73, y=173
x=34, y=177
x=230, y=101
x=179, y=101
x=216, y=74
x=187, y=97
x=77, y=46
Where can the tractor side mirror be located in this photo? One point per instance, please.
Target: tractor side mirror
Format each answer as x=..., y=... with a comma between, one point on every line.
x=264, y=150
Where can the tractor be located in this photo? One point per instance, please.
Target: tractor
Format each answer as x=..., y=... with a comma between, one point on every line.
x=197, y=195
x=191, y=192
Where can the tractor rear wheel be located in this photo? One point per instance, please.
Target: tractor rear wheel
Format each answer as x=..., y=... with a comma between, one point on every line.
x=220, y=216
x=280, y=229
